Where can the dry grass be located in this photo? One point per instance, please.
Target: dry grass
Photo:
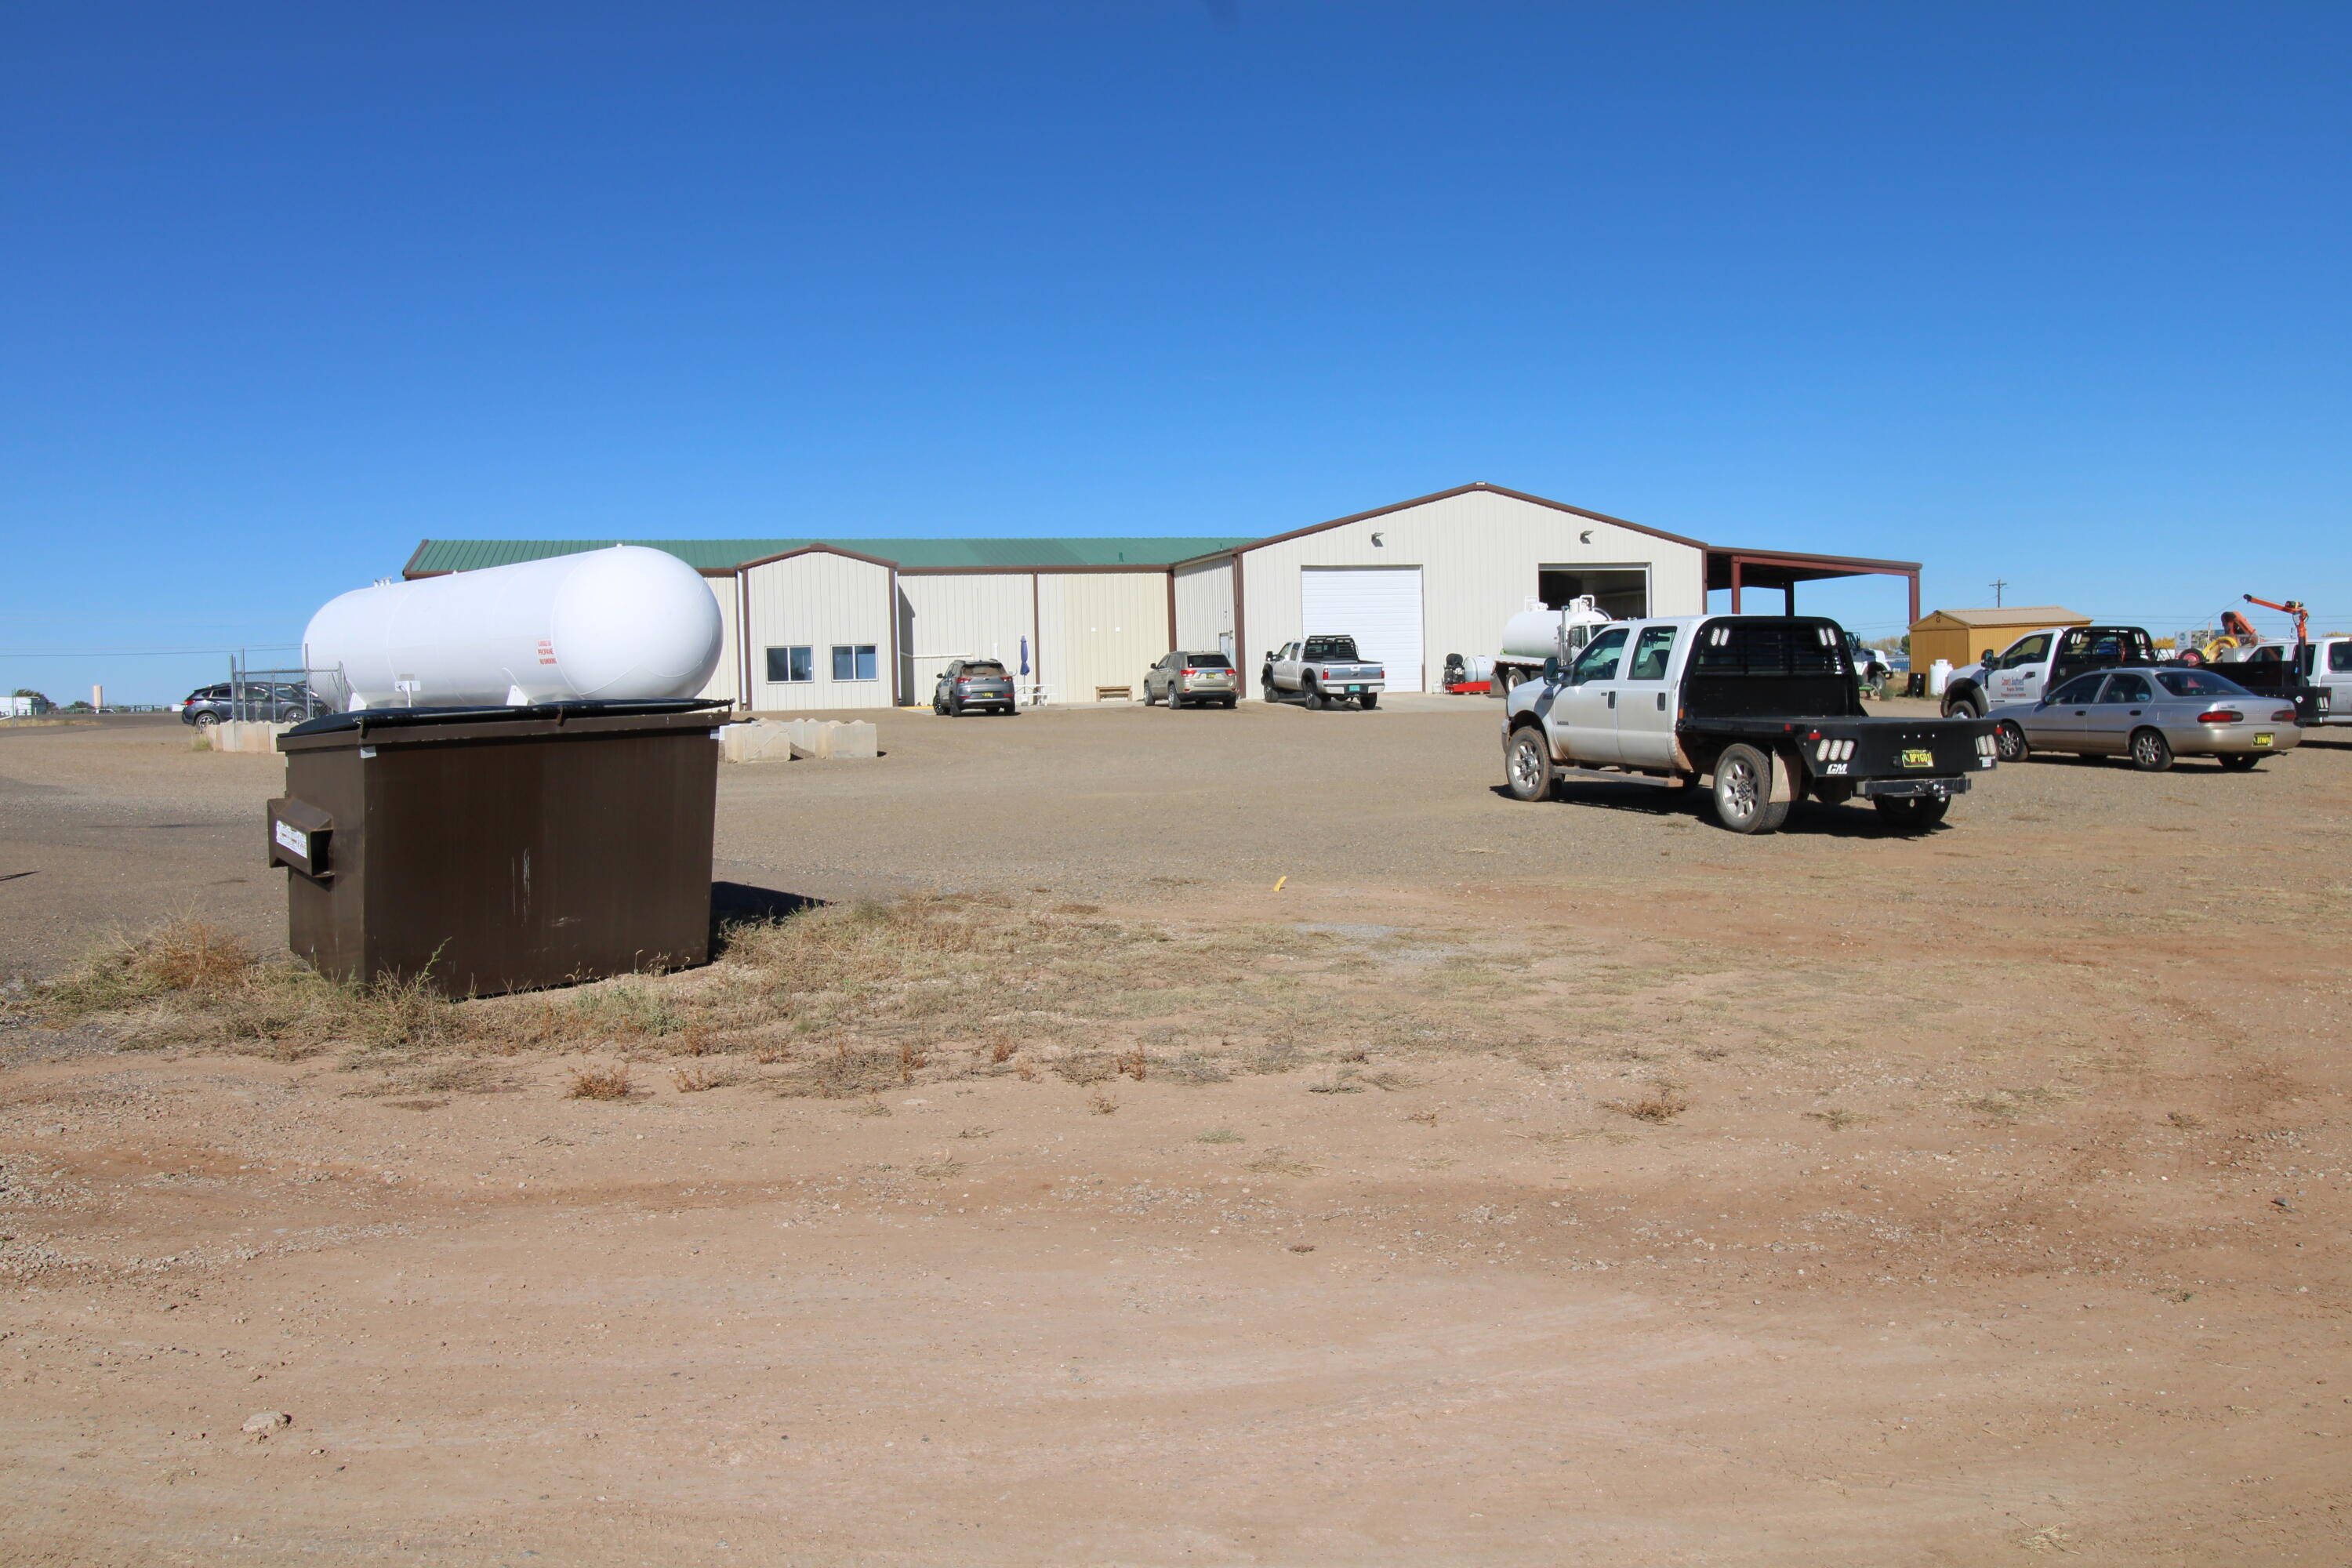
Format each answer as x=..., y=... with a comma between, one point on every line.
x=1218, y=1135
x=1656, y=1108
x=1101, y=1104
x=700, y=1079
x=599, y=1083
x=1280, y=1162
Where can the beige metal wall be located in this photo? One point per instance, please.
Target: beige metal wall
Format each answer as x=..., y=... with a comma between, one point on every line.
x=1479, y=553
x=818, y=599
x=729, y=675
x=1204, y=606
x=1100, y=628
x=976, y=616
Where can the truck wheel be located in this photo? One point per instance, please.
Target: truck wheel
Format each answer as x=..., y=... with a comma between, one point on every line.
x=1967, y=705
x=1911, y=813
x=2150, y=752
x=1372, y=698
x=1311, y=693
x=1266, y=686
x=1527, y=771
x=2238, y=762
x=1743, y=792
x=2009, y=742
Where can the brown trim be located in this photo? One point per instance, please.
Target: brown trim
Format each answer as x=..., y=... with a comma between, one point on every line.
x=744, y=638
x=1172, y=644
x=420, y=576
x=1018, y=571
x=715, y=571
x=897, y=699
x=818, y=549
x=410, y=570
x=1475, y=486
x=1242, y=659
x=1860, y=565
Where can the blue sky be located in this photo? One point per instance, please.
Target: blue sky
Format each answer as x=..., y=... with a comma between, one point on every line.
x=2054, y=294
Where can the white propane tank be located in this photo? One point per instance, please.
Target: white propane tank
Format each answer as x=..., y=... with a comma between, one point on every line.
x=1536, y=634
x=1939, y=676
x=626, y=623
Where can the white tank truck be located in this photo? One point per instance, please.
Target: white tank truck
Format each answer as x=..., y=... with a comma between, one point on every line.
x=1537, y=633
x=623, y=625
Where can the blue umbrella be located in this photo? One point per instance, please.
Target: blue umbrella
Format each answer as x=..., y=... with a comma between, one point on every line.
x=1025, y=656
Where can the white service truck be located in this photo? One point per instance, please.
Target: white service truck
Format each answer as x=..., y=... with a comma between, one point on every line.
x=1540, y=633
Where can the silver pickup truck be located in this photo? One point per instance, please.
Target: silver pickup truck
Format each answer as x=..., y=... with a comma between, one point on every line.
x=1322, y=671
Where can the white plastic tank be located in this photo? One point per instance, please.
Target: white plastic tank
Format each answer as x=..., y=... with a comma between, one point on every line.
x=1939, y=676
x=625, y=624
x=1536, y=634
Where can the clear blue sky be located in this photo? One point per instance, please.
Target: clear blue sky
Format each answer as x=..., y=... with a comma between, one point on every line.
x=2050, y=294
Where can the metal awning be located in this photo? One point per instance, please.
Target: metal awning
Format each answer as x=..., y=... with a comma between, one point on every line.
x=1782, y=569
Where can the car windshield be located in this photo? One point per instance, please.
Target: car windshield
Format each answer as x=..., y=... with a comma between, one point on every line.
x=1331, y=648
x=984, y=669
x=2199, y=683
x=1207, y=661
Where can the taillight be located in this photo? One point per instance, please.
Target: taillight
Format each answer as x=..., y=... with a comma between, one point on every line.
x=2283, y=716
x=2220, y=716
x=1192, y=672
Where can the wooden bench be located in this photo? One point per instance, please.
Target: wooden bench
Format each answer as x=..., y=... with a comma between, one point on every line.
x=1114, y=693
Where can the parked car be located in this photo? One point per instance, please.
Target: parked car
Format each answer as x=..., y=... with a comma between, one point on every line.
x=1766, y=706
x=973, y=685
x=270, y=701
x=2152, y=715
x=1322, y=669
x=1188, y=680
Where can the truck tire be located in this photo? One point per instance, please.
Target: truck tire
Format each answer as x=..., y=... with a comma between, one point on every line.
x=1967, y=704
x=1310, y=691
x=2009, y=742
x=1743, y=790
x=1266, y=686
x=1528, y=770
x=2150, y=752
x=1371, y=700
x=1912, y=812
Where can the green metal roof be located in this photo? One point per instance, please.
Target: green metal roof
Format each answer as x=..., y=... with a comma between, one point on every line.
x=724, y=555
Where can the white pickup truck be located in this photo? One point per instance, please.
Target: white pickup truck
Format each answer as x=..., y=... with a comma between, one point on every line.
x=2042, y=660
x=2326, y=667
x=1322, y=671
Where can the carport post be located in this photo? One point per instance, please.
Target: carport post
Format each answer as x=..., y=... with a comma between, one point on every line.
x=1735, y=584
x=1788, y=597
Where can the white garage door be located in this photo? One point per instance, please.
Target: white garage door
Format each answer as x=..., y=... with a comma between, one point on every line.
x=1380, y=606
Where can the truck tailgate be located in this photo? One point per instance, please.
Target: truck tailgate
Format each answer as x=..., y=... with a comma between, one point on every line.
x=1883, y=747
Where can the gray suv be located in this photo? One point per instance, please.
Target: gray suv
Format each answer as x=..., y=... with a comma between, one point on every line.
x=1188, y=680
x=973, y=686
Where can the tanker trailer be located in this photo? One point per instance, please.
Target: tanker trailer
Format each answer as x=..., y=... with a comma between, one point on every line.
x=1537, y=633
x=623, y=625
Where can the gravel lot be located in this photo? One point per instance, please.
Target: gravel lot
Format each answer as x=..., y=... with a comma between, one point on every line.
x=1823, y=1198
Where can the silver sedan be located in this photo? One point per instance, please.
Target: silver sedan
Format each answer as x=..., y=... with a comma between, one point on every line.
x=2150, y=715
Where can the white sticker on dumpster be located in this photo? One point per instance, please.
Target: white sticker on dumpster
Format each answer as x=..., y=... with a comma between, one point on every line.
x=292, y=838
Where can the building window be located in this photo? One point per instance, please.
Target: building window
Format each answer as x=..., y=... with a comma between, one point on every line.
x=853, y=663
x=791, y=664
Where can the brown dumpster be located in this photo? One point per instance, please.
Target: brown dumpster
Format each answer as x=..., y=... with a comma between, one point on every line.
x=493, y=850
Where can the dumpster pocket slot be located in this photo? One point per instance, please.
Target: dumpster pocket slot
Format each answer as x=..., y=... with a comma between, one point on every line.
x=302, y=837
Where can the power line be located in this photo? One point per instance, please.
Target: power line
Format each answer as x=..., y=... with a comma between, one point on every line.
x=141, y=652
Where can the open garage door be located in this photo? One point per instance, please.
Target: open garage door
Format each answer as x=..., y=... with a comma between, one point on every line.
x=1380, y=606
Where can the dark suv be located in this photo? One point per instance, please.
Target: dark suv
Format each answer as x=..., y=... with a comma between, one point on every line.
x=272, y=701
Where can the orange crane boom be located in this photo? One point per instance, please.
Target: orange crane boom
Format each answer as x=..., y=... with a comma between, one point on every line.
x=2292, y=607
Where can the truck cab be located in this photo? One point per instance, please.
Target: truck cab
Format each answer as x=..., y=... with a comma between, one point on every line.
x=2039, y=661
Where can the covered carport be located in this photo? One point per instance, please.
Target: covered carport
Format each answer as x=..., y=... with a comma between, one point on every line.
x=1741, y=569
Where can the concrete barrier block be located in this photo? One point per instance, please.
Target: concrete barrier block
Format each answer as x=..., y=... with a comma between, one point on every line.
x=856, y=738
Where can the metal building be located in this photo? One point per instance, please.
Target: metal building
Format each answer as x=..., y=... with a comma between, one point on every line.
x=868, y=623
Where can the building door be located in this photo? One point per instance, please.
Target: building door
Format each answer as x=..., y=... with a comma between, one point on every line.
x=1380, y=606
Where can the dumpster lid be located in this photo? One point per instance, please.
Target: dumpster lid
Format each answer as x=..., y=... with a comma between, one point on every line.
x=404, y=718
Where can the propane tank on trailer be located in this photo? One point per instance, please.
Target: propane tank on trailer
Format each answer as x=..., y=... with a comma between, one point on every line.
x=626, y=623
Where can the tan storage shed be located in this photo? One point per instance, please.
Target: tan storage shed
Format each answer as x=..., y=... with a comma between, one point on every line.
x=1962, y=636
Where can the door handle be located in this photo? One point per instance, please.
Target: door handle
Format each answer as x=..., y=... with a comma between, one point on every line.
x=1662, y=702
x=2135, y=713
x=1612, y=699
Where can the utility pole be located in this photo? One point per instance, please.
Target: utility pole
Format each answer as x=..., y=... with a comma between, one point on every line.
x=1997, y=586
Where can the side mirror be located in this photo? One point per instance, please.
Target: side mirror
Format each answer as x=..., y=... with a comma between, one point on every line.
x=1551, y=668
x=1987, y=659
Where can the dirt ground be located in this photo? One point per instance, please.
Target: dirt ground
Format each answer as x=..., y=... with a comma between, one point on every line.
x=1559, y=1184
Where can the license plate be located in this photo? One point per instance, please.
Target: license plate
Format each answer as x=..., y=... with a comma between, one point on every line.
x=1355, y=689
x=1917, y=757
x=2264, y=738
